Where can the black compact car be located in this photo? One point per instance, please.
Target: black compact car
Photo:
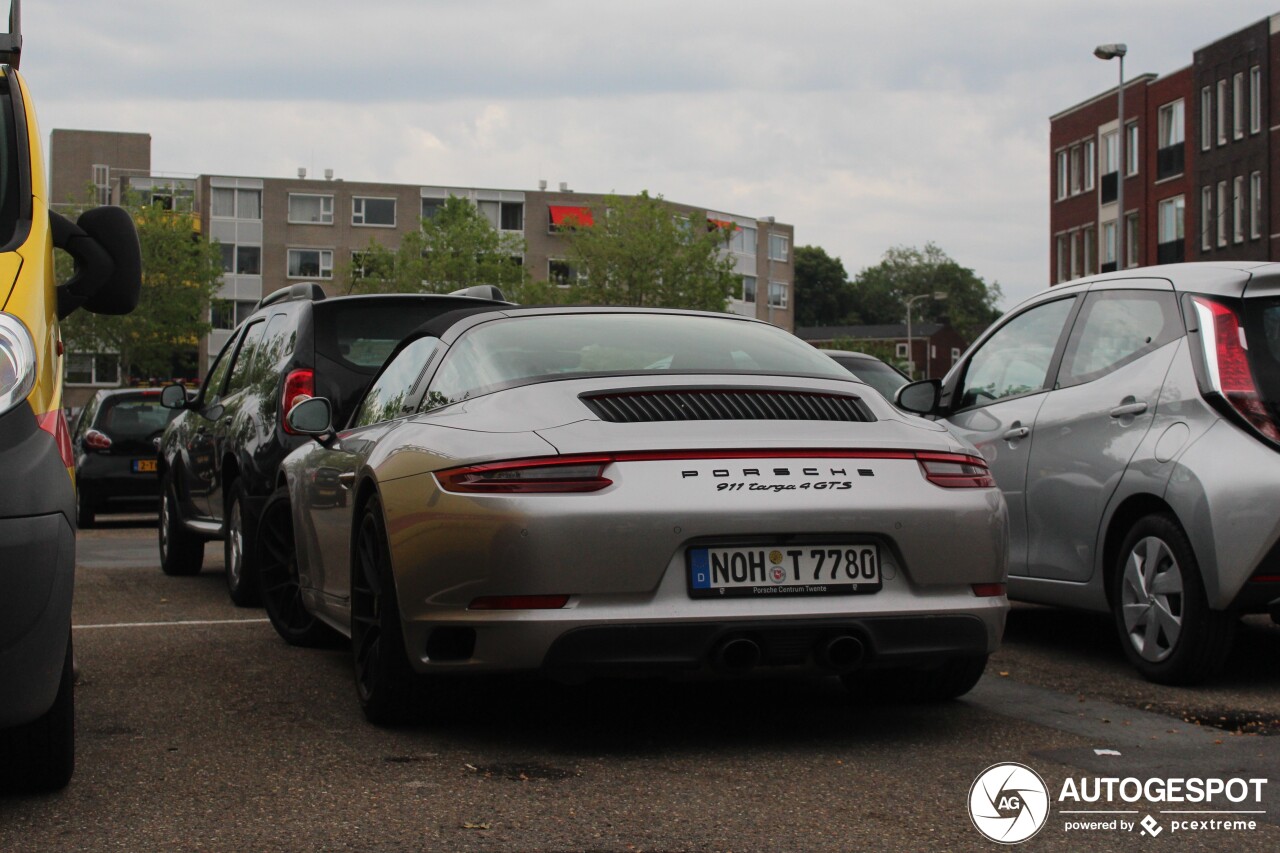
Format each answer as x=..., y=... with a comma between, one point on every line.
x=880, y=375
x=114, y=441
x=218, y=458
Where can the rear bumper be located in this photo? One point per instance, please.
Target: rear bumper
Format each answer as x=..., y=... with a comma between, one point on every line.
x=104, y=479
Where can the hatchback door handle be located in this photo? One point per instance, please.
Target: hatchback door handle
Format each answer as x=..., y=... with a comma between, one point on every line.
x=1128, y=410
x=1016, y=433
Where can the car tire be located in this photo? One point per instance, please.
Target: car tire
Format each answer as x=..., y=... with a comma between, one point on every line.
x=85, y=510
x=281, y=594
x=239, y=565
x=1161, y=612
x=41, y=755
x=949, y=680
x=181, y=551
x=386, y=685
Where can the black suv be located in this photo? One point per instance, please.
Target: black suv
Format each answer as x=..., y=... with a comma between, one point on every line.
x=218, y=458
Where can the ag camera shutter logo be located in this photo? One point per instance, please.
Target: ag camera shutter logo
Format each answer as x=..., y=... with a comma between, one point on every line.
x=1008, y=803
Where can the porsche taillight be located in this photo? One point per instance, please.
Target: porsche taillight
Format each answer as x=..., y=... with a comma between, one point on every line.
x=1226, y=356
x=955, y=470
x=543, y=475
x=298, y=386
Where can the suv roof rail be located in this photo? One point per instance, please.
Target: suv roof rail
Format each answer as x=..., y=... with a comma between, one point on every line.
x=481, y=291
x=11, y=42
x=308, y=290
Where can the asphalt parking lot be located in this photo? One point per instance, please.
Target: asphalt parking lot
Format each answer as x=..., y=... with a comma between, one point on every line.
x=200, y=730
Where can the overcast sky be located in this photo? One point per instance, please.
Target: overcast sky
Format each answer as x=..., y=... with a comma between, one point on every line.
x=866, y=125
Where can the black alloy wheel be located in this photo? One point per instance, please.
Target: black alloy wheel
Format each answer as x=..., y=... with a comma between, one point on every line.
x=239, y=565
x=181, y=551
x=278, y=581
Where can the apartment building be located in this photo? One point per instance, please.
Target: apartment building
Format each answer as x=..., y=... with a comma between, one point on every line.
x=1196, y=176
x=279, y=231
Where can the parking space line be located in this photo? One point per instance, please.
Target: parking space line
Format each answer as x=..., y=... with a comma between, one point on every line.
x=167, y=624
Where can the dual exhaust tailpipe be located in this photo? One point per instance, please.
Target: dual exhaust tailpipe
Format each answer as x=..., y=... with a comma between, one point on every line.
x=837, y=653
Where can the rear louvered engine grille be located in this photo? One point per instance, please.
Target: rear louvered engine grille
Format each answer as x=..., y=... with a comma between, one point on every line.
x=648, y=407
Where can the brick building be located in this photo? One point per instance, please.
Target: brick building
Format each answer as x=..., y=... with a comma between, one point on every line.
x=1198, y=157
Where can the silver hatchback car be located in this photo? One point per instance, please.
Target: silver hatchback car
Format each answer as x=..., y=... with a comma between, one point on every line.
x=1132, y=421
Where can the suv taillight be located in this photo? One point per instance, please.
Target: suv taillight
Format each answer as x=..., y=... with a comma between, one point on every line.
x=1226, y=356
x=298, y=386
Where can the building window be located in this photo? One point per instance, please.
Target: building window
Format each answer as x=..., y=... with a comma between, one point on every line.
x=92, y=369
x=511, y=216
x=1090, y=252
x=1237, y=209
x=1206, y=218
x=1110, y=158
x=1131, y=244
x=1206, y=122
x=743, y=240
x=431, y=207
x=1222, y=112
x=1075, y=169
x=1170, y=127
x=1255, y=205
x=1061, y=258
x=228, y=313
x=1075, y=254
x=1131, y=149
x=231, y=203
x=749, y=289
x=1108, y=246
x=1237, y=105
x=1090, y=158
x=563, y=273
x=307, y=209
x=310, y=263
x=778, y=294
x=901, y=350
x=379, y=212
x=1255, y=99
x=102, y=183
x=779, y=247
x=241, y=260
x=1062, y=175
x=1170, y=231
x=1222, y=213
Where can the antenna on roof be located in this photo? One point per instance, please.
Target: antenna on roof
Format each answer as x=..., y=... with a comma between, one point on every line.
x=11, y=42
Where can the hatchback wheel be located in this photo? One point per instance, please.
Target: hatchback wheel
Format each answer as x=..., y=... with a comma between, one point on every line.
x=181, y=551
x=1168, y=631
x=86, y=512
x=240, y=567
x=278, y=577
x=385, y=683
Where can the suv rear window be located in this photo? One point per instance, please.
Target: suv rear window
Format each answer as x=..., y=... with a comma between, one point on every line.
x=361, y=334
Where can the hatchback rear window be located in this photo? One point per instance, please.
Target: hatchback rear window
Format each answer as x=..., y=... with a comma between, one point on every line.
x=1262, y=324
x=362, y=334
x=125, y=418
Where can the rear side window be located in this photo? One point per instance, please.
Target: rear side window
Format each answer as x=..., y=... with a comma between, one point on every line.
x=389, y=393
x=1116, y=328
x=246, y=359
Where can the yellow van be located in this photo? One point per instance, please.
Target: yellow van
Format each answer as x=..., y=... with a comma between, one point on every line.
x=37, y=489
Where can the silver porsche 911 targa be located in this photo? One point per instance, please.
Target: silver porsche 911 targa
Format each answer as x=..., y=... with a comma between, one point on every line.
x=606, y=491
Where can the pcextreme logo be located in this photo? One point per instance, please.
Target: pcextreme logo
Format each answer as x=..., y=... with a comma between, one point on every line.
x=1010, y=802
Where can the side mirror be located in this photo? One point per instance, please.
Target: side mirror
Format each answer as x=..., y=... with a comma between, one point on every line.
x=173, y=397
x=103, y=242
x=313, y=417
x=920, y=397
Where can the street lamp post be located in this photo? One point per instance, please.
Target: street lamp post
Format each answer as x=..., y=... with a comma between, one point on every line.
x=911, y=354
x=1109, y=52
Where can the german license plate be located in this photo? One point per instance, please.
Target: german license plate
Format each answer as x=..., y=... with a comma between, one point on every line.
x=144, y=466
x=784, y=570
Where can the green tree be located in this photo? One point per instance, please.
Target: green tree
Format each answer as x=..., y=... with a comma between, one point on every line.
x=824, y=295
x=640, y=252
x=455, y=248
x=181, y=271
x=905, y=271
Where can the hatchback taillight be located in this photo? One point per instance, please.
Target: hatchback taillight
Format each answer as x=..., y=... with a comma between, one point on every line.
x=96, y=440
x=1226, y=356
x=298, y=386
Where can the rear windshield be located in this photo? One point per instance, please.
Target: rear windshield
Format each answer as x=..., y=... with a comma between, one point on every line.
x=875, y=373
x=123, y=418
x=361, y=334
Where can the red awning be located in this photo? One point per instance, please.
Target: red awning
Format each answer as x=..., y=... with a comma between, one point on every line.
x=563, y=214
x=722, y=224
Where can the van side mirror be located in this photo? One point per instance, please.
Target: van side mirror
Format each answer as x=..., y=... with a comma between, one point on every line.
x=920, y=398
x=103, y=242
